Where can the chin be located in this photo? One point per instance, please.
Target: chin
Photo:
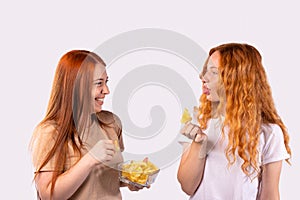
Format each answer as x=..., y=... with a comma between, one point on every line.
x=98, y=110
x=209, y=98
x=212, y=99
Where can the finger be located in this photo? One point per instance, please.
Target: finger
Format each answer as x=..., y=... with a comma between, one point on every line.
x=108, y=142
x=133, y=187
x=137, y=187
x=189, y=128
x=194, y=132
x=200, y=137
x=110, y=152
x=107, y=159
x=183, y=130
x=110, y=146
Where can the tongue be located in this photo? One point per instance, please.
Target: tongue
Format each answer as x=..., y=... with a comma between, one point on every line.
x=205, y=91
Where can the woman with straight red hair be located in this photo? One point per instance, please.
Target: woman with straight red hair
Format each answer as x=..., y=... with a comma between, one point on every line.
x=76, y=147
x=237, y=149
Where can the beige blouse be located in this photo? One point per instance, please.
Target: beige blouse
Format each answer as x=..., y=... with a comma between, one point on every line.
x=103, y=181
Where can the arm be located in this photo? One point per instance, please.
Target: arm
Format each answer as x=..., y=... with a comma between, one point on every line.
x=191, y=168
x=193, y=159
x=68, y=182
x=270, y=181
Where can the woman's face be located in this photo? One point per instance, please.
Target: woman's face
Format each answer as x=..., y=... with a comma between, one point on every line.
x=210, y=79
x=100, y=88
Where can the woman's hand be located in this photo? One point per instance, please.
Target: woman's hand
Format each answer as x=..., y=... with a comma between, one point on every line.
x=194, y=132
x=103, y=151
x=132, y=187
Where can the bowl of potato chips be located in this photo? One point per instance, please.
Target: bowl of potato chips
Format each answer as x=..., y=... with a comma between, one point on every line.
x=138, y=173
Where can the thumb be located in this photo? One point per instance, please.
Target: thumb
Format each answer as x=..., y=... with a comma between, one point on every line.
x=200, y=138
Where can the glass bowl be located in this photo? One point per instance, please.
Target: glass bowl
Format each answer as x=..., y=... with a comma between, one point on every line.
x=138, y=173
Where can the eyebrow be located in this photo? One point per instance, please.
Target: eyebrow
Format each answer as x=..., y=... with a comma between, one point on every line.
x=211, y=67
x=100, y=79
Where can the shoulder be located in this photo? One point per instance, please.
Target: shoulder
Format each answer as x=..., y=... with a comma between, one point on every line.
x=109, y=118
x=43, y=134
x=47, y=129
x=271, y=131
x=272, y=144
x=43, y=139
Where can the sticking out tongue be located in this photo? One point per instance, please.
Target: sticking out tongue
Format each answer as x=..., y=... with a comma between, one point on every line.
x=205, y=90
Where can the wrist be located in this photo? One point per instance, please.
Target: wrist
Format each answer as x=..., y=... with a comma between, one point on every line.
x=90, y=159
x=200, y=147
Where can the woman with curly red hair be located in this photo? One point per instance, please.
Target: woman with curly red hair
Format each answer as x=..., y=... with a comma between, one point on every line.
x=238, y=147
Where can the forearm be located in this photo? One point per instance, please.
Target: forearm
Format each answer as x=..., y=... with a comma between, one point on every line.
x=66, y=183
x=271, y=195
x=269, y=190
x=191, y=169
x=270, y=181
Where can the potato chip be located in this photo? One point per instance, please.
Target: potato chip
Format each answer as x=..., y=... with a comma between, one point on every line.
x=186, y=117
x=117, y=146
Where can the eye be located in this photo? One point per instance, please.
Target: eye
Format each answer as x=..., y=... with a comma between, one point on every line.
x=99, y=83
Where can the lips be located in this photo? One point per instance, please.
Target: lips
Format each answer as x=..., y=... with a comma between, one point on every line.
x=205, y=90
x=99, y=100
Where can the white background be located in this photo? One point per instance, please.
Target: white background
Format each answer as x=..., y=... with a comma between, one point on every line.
x=35, y=34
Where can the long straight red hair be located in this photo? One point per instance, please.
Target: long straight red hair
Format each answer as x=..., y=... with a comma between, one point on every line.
x=69, y=107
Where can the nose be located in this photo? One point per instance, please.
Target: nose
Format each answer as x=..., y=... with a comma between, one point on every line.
x=105, y=89
x=203, y=77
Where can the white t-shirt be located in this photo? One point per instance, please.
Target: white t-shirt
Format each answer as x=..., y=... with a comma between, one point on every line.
x=221, y=182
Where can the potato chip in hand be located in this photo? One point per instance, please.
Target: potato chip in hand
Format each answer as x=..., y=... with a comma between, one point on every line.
x=117, y=146
x=186, y=117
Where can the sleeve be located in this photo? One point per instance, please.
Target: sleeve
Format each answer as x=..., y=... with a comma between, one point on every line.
x=112, y=120
x=42, y=142
x=274, y=148
x=118, y=127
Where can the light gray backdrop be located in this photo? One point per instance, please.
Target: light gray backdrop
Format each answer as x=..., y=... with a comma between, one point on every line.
x=35, y=34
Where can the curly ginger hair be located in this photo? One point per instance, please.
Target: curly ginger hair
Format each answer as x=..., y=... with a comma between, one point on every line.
x=246, y=97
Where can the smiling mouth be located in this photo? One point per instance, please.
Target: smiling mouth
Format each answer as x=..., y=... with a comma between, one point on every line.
x=99, y=99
